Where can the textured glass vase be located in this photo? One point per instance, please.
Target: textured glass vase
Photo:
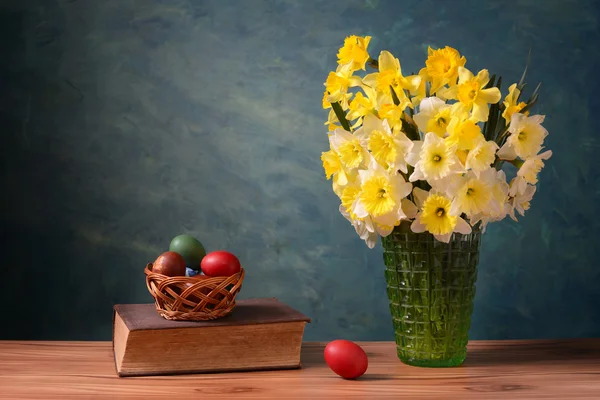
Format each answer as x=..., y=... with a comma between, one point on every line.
x=431, y=288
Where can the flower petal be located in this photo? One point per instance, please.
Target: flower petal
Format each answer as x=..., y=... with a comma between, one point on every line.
x=384, y=230
x=420, y=196
x=545, y=155
x=371, y=123
x=490, y=96
x=480, y=110
x=371, y=241
x=388, y=62
x=402, y=188
x=507, y=152
x=417, y=226
x=409, y=208
x=483, y=77
x=359, y=209
x=417, y=174
x=429, y=105
x=412, y=83
x=443, y=238
x=462, y=226
x=464, y=75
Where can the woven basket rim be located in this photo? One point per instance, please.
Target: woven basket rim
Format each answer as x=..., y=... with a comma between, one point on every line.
x=192, y=299
x=148, y=271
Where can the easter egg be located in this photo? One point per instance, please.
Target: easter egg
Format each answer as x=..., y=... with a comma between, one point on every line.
x=346, y=358
x=169, y=263
x=190, y=249
x=220, y=263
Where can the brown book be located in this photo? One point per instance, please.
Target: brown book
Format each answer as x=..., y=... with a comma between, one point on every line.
x=260, y=334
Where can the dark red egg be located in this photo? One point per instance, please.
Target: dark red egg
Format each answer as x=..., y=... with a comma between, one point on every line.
x=169, y=263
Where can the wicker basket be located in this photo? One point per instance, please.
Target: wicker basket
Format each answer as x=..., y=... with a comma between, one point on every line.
x=195, y=298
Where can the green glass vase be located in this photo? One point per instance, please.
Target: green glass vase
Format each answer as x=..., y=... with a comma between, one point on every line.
x=431, y=288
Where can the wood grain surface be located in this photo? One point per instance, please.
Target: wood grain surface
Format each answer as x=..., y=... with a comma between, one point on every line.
x=540, y=369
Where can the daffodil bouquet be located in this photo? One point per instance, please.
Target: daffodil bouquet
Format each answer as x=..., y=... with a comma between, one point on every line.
x=427, y=148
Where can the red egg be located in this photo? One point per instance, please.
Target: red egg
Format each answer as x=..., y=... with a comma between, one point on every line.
x=220, y=263
x=346, y=358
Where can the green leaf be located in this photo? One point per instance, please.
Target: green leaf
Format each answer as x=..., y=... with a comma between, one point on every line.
x=534, y=95
x=491, y=82
x=410, y=128
x=394, y=96
x=521, y=84
x=373, y=63
x=341, y=115
x=528, y=106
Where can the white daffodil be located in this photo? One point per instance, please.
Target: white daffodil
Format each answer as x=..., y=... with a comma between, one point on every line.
x=435, y=217
x=528, y=172
x=481, y=157
x=363, y=227
x=351, y=149
x=380, y=196
x=434, y=116
x=521, y=202
x=500, y=196
x=433, y=159
x=475, y=194
x=526, y=137
x=389, y=149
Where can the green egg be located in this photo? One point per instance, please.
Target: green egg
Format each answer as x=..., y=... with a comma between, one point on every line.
x=190, y=249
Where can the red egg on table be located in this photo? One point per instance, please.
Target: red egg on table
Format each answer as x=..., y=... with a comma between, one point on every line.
x=220, y=263
x=346, y=358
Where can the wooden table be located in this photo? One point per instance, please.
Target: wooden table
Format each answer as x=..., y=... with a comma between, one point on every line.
x=541, y=369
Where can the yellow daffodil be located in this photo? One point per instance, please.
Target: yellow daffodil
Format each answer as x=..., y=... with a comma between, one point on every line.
x=361, y=105
x=393, y=114
x=481, y=157
x=354, y=52
x=387, y=148
x=472, y=95
x=442, y=67
x=465, y=134
x=349, y=195
x=344, y=100
x=332, y=122
x=421, y=92
x=511, y=104
x=433, y=159
x=528, y=172
x=338, y=83
x=435, y=217
x=434, y=116
x=381, y=195
x=526, y=137
x=335, y=170
x=390, y=75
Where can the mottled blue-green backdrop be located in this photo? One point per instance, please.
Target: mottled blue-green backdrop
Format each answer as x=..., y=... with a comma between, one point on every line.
x=125, y=123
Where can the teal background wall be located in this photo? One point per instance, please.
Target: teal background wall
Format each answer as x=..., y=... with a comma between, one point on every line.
x=125, y=123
